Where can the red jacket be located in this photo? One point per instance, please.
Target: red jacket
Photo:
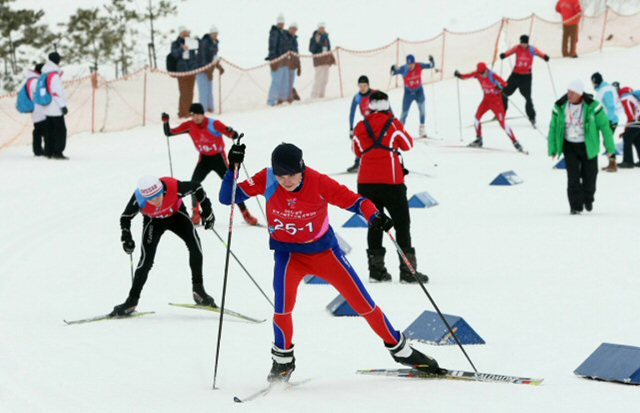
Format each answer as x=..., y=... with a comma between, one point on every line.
x=379, y=165
x=207, y=136
x=492, y=84
x=570, y=10
x=524, y=58
x=630, y=103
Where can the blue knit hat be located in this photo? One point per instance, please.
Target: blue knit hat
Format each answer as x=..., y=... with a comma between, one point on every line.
x=411, y=59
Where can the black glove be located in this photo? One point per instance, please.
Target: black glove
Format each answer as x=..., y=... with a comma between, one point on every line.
x=208, y=218
x=546, y=58
x=236, y=155
x=433, y=62
x=64, y=110
x=393, y=69
x=502, y=55
x=457, y=74
x=165, y=117
x=234, y=134
x=127, y=242
x=381, y=221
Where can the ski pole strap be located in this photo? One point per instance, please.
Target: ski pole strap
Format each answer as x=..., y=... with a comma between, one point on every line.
x=377, y=141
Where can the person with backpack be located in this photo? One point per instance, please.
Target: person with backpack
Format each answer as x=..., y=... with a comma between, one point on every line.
x=184, y=52
x=520, y=78
x=377, y=141
x=50, y=94
x=492, y=86
x=25, y=104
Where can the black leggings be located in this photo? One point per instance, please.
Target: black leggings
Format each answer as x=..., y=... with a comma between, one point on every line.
x=523, y=83
x=393, y=198
x=153, y=228
x=206, y=164
x=55, y=138
x=39, y=134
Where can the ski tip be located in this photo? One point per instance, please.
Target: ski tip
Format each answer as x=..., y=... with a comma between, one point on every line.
x=237, y=399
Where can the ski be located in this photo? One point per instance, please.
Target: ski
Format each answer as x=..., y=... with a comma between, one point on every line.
x=107, y=317
x=263, y=392
x=452, y=375
x=428, y=138
x=217, y=310
x=494, y=119
x=523, y=152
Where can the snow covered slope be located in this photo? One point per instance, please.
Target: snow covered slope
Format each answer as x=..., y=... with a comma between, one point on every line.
x=543, y=288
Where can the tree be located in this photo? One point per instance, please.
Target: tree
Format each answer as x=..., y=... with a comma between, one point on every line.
x=153, y=12
x=121, y=17
x=89, y=37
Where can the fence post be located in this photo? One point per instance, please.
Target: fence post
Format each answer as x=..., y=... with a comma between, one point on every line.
x=604, y=27
x=94, y=87
x=495, y=51
x=144, y=99
x=444, y=33
x=339, y=70
x=397, y=56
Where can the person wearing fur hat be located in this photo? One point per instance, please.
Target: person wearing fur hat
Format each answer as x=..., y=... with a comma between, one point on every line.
x=577, y=121
x=413, y=90
x=492, y=86
x=159, y=200
x=208, y=57
x=303, y=242
x=378, y=140
x=520, y=78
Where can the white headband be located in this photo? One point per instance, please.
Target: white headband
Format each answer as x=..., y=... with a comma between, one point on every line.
x=379, y=105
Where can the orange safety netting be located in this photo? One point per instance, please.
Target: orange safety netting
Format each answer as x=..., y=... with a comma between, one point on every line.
x=98, y=105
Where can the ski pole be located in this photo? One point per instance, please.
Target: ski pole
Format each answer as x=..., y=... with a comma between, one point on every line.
x=131, y=260
x=433, y=97
x=226, y=268
x=446, y=323
x=553, y=85
x=169, y=152
x=243, y=268
x=523, y=114
x=459, y=108
x=257, y=198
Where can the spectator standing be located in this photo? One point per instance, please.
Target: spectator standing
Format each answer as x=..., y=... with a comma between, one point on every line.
x=288, y=92
x=279, y=69
x=571, y=12
x=207, y=54
x=577, y=121
x=319, y=46
x=56, y=128
x=37, y=116
x=185, y=51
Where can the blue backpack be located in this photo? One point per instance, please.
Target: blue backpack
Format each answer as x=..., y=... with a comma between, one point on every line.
x=43, y=96
x=24, y=104
x=636, y=93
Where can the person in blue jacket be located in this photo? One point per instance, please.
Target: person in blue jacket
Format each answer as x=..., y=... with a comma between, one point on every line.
x=413, y=91
x=608, y=96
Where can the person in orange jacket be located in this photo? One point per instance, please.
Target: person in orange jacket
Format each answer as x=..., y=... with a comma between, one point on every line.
x=571, y=12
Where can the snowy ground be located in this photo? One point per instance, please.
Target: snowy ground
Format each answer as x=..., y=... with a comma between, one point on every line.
x=543, y=288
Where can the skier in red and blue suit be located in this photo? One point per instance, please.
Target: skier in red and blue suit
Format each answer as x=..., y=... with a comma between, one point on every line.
x=304, y=243
x=361, y=101
x=521, y=76
x=413, y=90
x=492, y=87
x=206, y=134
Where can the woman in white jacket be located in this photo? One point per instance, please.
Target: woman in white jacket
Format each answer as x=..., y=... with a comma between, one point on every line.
x=56, y=137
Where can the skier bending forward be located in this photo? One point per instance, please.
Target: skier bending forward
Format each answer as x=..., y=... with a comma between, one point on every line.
x=304, y=243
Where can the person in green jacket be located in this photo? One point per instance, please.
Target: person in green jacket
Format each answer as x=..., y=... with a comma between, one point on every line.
x=576, y=124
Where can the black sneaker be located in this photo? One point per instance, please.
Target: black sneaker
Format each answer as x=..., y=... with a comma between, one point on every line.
x=575, y=212
x=406, y=355
x=284, y=363
x=126, y=308
x=476, y=144
x=201, y=297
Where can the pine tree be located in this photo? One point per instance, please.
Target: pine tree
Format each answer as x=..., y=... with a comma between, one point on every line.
x=89, y=37
x=152, y=13
x=121, y=17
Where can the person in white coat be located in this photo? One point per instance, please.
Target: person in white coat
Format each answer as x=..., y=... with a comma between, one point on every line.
x=56, y=136
x=37, y=116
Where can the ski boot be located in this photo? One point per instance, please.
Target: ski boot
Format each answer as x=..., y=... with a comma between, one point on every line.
x=284, y=363
x=354, y=168
x=201, y=297
x=518, y=147
x=377, y=271
x=406, y=355
x=477, y=143
x=588, y=205
x=405, y=272
x=248, y=218
x=196, y=219
x=125, y=309
x=422, y=132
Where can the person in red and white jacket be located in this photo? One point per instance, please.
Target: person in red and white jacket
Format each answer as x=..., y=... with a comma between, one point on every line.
x=520, y=78
x=492, y=87
x=378, y=140
x=631, y=134
x=303, y=242
x=571, y=12
x=207, y=135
